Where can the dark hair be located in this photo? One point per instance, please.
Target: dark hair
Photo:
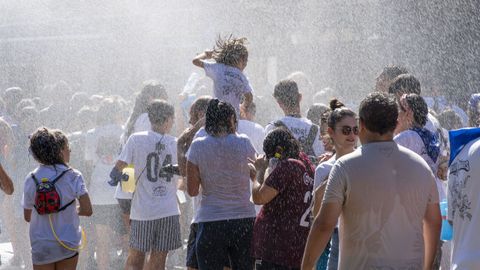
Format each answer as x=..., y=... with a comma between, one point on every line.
x=338, y=112
x=281, y=137
x=286, y=91
x=217, y=118
x=405, y=84
x=108, y=111
x=391, y=72
x=151, y=90
x=318, y=113
x=230, y=50
x=159, y=111
x=46, y=146
x=419, y=108
x=379, y=112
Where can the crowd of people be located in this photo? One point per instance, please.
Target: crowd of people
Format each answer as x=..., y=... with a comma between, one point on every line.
x=339, y=188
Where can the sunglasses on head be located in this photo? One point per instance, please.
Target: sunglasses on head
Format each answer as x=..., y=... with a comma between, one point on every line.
x=347, y=130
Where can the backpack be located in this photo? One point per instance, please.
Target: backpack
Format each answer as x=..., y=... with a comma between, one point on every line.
x=47, y=199
x=306, y=143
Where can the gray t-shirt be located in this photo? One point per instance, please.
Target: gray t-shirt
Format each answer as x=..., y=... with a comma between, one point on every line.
x=225, y=176
x=45, y=248
x=384, y=190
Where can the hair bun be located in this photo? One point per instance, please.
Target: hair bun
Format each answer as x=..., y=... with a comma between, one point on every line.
x=335, y=104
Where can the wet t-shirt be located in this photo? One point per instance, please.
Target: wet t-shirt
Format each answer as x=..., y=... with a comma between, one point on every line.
x=66, y=224
x=464, y=207
x=281, y=228
x=384, y=190
x=229, y=83
x=300, y=128
x=225, y=176
x=155, y=194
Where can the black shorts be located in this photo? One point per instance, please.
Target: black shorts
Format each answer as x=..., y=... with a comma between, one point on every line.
x=191, y=252
x=125, y=205
x=229, y=239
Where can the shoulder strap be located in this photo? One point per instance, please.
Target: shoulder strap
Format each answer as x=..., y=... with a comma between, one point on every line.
x=66, y=205
x=60, y=176
x=35, y=179
x=311, y=138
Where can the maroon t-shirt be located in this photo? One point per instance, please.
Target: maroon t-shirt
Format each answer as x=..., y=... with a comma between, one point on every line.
x=281, y=228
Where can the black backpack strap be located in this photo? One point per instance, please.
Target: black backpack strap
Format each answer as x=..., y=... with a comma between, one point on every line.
x=60, y=176
x=35, y=179
x=311, y=139
x=66, y=205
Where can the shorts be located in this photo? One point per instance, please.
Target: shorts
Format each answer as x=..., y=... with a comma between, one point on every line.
x=125, y=205
x=155, y=235
x=229, y=239
x=192, y=253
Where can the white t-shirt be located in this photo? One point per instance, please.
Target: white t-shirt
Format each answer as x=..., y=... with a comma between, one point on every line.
x=225, y=176
x=464, y=207
x=300, y=127
x=229, y=83
x=322, y=171
x=383, y=189
x=254, y=131
x=102, y=147
x=411, y=140
x=45, y=248
x=141, y=124
x=155, y=195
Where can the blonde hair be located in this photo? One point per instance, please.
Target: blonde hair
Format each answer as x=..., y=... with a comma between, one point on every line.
x=230, y=50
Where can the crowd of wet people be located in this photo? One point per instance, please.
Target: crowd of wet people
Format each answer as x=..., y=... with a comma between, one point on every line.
x=327, y=186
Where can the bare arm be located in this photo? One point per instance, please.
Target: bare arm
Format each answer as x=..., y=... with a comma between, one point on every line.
x=6, y=183
x=318, y=198
x=262, y=194
x=193, y=179
x=197, y=61
x=27, y=214
x=432, y=224
x=247, y=102
x=320, y=233
x=183, y=144
x=85, y=206
x=120, y=165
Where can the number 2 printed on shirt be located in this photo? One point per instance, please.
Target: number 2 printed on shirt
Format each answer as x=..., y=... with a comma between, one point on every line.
x=305, y=219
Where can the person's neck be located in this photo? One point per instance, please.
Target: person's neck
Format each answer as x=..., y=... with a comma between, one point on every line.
x=159, y=129
x=372, y=137
x=295, y=112
x=341, y=152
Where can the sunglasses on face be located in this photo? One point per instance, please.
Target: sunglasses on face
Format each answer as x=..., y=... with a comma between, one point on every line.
x=347, y=130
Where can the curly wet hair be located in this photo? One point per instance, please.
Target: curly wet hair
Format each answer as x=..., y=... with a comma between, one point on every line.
x=230, y=50
x=46, y=145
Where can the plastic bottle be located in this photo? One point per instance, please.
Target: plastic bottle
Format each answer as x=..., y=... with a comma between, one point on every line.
x=447, y=230
x=129, y=185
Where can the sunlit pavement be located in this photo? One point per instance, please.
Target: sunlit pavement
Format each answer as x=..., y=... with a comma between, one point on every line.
x=6, y=253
